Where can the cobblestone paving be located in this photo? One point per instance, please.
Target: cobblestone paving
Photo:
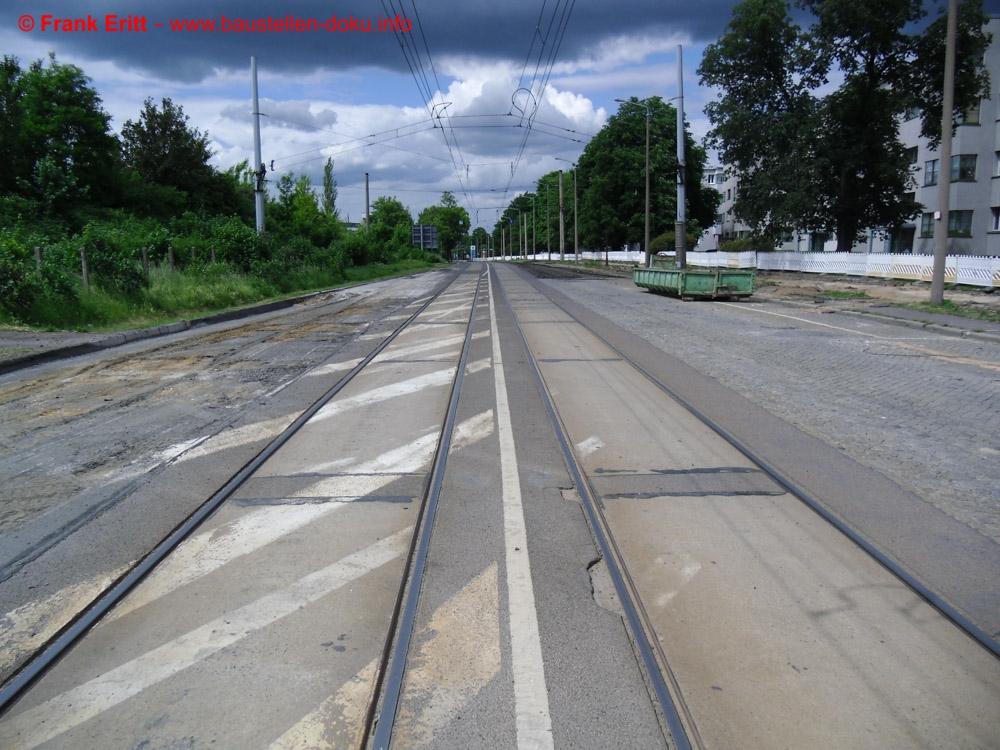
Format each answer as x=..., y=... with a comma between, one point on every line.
x=920, y=407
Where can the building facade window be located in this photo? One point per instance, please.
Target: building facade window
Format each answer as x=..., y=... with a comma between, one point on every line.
x=963, y=168
x=960, y=223
x=971, y=115
x=930, y=173
x=927, y=225
x=995, y=223
x=911, y=155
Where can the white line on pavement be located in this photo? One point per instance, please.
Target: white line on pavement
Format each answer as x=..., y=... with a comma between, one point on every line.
x=42, y=723
x=531, y=700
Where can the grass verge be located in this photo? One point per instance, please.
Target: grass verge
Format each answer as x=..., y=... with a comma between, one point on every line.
x=972, y=311
x=192, y=293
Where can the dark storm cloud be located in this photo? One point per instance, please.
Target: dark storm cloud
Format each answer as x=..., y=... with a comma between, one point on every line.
x=494, y=30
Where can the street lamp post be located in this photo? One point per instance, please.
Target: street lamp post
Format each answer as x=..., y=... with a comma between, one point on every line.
x=648, y=256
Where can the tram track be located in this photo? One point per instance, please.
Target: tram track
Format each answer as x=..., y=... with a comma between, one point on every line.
x=308, y=604
x=23, y=679
x=871, y=548
x=681, y=722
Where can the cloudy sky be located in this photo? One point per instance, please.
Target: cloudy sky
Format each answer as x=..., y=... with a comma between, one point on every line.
x=479, y=97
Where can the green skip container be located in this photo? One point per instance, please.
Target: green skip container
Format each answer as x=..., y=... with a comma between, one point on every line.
x=690, y=283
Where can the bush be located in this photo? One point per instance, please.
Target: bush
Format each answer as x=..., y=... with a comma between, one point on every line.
x=667, y=241
x=19, y=285
x=746, y=244
x=114, y=253
x=238, y=244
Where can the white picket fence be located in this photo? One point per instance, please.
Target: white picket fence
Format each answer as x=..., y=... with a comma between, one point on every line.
x=959, y=269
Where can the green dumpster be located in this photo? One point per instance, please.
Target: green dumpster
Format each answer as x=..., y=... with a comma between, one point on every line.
x=709, y=283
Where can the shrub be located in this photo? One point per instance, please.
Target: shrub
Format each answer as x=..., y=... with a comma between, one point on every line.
x=759, y=244
x=19, y=285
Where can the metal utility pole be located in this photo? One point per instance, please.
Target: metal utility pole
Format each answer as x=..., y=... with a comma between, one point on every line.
x=548, y=230
x=562, y=222
x=680, y=229
x=258, y=193
x=944, y=171
x=576, y=218
x=368, y=206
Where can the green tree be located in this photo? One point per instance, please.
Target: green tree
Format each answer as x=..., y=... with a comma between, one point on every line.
x=329, y=189
x=830, y=162
x=389, y=234
x=612, y=175
x=481, y=239
x=57, y=141
x=163, y=149
x=451, y=220
x=297, y=213
x=390, y=213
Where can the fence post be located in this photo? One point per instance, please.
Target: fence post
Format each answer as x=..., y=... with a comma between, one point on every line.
x=192, y=254
x=86, y=271
x=145, y=262
x=213, y=253
x=38, y=259
x=170, y=257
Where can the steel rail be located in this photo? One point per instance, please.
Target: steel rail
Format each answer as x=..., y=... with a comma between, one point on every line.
x=682, y=730
x=933, y=598
x=60, y=644
x=401, y=628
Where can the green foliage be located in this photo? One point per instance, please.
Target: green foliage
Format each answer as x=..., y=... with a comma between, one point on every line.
x=612, y=174
x=163, y=150
x=238, y=244
x=745, y=244
x=451, y=220
x=57, y=146
x=70, y=185
x=668, y=241
x=830, y=161
x=329, y=189
x=114, y=257
x=19, y=285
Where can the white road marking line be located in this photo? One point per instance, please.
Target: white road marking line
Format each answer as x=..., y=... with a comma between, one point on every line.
x=420, y=350
x=531, y=699
x=238, y=436
x=588, y=446
x=333, y=368
x=336, y=722
x=205, y=553
x=63, y=712
x=478, y=366
x=403, y=388
x=459, y=656
x=28, y=627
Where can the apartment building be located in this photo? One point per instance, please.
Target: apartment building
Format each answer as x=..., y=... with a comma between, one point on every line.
x=973, y=221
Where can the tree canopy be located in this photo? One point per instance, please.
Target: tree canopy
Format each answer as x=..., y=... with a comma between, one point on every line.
x=831, y=161
x=612, y=169
x=451, y=220
x=57, y=144
x=163, y=149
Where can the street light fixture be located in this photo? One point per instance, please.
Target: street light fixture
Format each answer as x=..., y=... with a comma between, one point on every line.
x=648, y=256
